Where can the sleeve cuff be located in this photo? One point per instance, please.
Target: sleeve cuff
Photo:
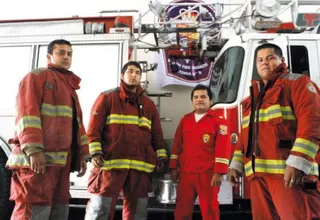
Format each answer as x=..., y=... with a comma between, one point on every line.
x=95, y=148
x=220, y=168
x=237, y=166
x=162, y=154
x=96, y=152
x=173, y=164
x=31, y=150
x=299, y=163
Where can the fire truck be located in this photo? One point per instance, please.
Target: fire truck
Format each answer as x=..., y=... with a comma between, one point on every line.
x=103, y=44
x=230, y=41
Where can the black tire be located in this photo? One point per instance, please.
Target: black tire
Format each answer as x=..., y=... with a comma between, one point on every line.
x=6, y=206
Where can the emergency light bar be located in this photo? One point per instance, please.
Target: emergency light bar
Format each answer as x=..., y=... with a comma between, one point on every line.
x=265, y=14
x=268, y=8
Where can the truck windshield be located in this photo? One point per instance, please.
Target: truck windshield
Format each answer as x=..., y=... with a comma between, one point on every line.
x=226, y=74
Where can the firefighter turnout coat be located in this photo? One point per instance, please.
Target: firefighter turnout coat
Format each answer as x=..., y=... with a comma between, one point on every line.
x=126, y=129
x=280, y=127
x=47, y=107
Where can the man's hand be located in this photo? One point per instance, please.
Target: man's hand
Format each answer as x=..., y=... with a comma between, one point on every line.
x=83, y=168
x=234, y=177
x=38, y=162
x=160, y=164
x=174, y=175
x=97, y=160
x=292, y=176
x=216, y=179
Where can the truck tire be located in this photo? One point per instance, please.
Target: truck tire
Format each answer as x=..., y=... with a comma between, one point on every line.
x=6, y=206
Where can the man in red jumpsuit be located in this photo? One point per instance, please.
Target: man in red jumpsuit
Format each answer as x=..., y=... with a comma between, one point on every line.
x=126, y=143
x=50, y=140
x=199, y=157
x=279, y=141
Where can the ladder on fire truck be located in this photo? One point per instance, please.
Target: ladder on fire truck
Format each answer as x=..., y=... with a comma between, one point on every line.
x=242, y=16
x=146, y=68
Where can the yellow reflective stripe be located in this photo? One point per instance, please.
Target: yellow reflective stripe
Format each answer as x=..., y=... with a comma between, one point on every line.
x=306, y=147
x=277, y=167
x=270, y=166
x=314, y=170
x=263, y=115
x=276, y=111
x=162, y=153
x=287, y=113
x=222, y=160
x=59, y=158
x=273, y=167
x=128, y=119
x=51, y=158
x=173, y=156
x=56, y=110
x=79, y=122
x=94, y=147
x=238, y=156
x=84, y=140
x=248, y=168
x=128, y=164
x=28, y=121
x=272, y=112
x=245, y=121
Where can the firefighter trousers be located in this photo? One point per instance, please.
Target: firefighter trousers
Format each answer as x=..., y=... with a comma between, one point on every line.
x=271, y=200
x=41, y=196
x=190, y=185
x=105, y=187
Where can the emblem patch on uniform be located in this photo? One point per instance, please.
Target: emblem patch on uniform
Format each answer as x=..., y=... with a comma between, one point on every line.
x=311, y=88
x=206, y=138
x=49, y=86
x=223, y=129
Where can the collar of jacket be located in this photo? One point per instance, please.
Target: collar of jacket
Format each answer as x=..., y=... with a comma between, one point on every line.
x=280, y=70
x=127, y=95
x=210, y=112
x=72, y=79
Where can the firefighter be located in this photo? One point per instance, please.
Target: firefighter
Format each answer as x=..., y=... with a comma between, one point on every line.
x=199, y=157
x=126, y=144
x=279, y=141
x=50, y=140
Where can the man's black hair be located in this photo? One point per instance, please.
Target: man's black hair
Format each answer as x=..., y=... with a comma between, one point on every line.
x=277, y=49
x=202, y=87
x=133, y=63
x=59, y=42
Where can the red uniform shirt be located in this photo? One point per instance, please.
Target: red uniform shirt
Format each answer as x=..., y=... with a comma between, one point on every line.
x=201, y=146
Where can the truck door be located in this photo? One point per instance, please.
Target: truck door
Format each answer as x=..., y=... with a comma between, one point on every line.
x=16, y=61
x=305, y=58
